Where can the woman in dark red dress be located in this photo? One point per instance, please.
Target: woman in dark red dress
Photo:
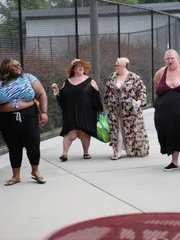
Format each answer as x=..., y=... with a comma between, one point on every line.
x=167, y=107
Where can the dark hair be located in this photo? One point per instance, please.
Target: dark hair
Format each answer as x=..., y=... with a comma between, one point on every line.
x=72, y=71
x=5, y=70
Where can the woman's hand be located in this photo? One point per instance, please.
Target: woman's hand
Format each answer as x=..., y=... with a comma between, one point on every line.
x=138, y=103
x=43, y=118
x=55, y=89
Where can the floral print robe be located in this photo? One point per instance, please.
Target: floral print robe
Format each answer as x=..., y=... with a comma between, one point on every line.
x=118, y=103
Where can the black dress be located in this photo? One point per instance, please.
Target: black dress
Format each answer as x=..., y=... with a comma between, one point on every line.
x=80, y=104
x=167, y=116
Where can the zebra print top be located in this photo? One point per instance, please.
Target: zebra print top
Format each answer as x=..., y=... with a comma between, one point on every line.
x=20, y=89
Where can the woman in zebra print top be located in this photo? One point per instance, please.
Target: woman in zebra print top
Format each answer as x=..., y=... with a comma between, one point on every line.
x=19, y=122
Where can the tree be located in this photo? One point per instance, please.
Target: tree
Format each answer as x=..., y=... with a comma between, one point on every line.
x=122, y=1
x=85, y=3
x=68, y=3
x=9, y=25
x=29, y=4
x=59, y=3
x=155, y=1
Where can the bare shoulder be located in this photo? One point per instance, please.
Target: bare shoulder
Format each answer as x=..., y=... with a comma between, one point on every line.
x=94, y=84
x=160, y=71
x=158, y=75
x=63, y=85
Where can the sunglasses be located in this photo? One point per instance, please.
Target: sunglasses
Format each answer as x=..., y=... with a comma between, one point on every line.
x=16, y=65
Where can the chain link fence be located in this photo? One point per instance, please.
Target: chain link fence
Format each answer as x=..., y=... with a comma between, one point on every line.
x=49, y=39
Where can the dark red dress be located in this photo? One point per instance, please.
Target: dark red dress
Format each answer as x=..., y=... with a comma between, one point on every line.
x=167, y=116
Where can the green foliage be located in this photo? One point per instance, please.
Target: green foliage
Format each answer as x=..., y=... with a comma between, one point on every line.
x=119, y=1
x=155, y=1
x=85, y=3
x=27, y=4
x=10, y=26
x=59, y=3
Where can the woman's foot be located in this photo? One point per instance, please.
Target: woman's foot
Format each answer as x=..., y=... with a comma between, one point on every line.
x=40, y=180
x=86, y=156
x=12, y=181
x=116, y=157
x=171, y=167
x=37, y=177
x=63, y=158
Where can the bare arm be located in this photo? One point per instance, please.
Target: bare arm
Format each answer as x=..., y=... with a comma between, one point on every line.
x=140, y=91
x=158, y=76
x=96, y=97
x=94, y=84
x=42, y=98
x=56, y=91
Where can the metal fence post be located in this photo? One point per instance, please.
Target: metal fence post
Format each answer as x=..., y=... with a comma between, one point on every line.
x=94, y=32
x=152, y=53
x=76, y=29
x=20, y=33
x=119, y=31
x=169, y=28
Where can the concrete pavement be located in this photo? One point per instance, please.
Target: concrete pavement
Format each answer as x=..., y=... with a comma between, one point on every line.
x=80, y=189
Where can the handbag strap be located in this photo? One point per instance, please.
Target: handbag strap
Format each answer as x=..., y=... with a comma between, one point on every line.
x=113, y=76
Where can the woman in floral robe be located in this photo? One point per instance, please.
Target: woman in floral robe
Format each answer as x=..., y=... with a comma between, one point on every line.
x=125, y=94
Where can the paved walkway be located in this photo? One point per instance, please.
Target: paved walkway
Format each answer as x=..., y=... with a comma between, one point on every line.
x=80, y=189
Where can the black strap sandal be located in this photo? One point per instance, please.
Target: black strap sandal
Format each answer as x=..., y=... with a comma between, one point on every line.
x=87, y=156
x=63, y=158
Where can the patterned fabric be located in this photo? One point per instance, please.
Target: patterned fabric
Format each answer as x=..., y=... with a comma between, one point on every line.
x=19, y=89
x=119, y=104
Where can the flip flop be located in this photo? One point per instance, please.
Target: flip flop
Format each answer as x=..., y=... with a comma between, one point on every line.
x=87, y=156
x=63, y=158
x=11, y=182
x=40, y=180
x=115, y=157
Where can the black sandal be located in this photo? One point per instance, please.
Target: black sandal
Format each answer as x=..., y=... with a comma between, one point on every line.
x=87, y=156
x=63, y=158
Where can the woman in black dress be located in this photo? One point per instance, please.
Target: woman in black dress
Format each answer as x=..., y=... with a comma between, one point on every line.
x=80, y=101
x=167, y=107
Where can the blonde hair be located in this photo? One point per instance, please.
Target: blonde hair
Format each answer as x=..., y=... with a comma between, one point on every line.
x=123, y=62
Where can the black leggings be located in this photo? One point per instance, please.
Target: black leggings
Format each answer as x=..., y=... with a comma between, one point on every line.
x=21, y=129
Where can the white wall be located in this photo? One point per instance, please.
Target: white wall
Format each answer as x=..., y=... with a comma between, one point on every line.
x=52, y=27
x=64, y=27
x=176, y=15
x=62, y=32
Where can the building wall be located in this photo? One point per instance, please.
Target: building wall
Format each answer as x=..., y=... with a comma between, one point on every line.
x=107, y=25
x=176, y=15
x=50, y=27
x=57, y=36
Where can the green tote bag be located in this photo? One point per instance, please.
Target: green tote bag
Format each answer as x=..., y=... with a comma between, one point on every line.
x=103, y=133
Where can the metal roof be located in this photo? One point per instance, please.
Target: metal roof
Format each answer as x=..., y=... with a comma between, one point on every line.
x=102, y=10
x=166, y=6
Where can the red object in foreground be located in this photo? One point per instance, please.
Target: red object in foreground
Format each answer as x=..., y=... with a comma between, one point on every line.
x=145, y=226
